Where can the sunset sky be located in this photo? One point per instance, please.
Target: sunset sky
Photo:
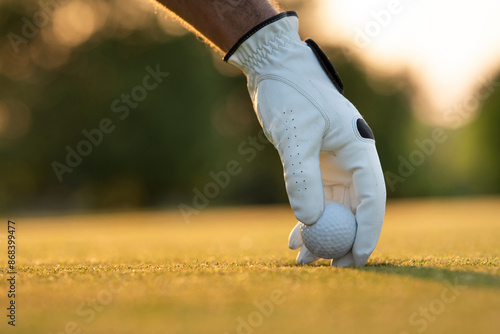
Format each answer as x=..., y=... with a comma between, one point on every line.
x=450, y=48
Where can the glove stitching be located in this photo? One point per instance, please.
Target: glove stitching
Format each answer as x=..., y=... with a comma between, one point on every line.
x=356, y=132
x=256, y=29
x=267, y=49
x=303, y=93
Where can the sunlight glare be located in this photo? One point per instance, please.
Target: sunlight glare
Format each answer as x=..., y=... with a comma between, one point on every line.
x=450, y=48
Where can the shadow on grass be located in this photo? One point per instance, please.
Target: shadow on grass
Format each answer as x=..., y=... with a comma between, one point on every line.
x=437, y=269
x=429, y=272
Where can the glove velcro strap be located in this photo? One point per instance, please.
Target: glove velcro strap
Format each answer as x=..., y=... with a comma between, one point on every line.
x=257, y=28
x=327, y=65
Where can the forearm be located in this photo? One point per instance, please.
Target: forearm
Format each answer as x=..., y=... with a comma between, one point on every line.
x=221, y=22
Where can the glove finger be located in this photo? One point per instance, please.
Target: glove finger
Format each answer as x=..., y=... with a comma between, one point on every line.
x=296, y=129
x=295, y=239
x=344, y=261
x=340, y=193
x=305, y=256
x=369, y=186
x=300, y=156
x=337, y=182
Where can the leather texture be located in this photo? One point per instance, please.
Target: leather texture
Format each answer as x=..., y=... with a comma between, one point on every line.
x=316, y=131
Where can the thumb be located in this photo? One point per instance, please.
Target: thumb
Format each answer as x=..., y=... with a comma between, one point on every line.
x=369, y=185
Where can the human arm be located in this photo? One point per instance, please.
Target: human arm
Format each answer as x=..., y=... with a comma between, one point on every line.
x=327, y=150
x=221, y=22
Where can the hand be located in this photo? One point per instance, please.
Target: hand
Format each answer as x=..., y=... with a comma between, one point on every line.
x=327, y=149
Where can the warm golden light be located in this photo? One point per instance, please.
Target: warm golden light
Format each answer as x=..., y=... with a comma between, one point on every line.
x=450, y=48
x=74, y=23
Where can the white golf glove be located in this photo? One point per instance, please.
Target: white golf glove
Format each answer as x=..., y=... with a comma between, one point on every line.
x=327, y=149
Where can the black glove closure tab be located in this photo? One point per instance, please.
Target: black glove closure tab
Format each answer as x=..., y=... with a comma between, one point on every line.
x=327, y=65
x=257, y=28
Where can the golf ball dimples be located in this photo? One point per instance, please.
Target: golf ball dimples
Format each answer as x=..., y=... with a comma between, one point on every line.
x=332, y=236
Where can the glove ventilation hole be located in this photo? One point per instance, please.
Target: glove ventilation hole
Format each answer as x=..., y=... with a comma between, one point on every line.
x=291, y=150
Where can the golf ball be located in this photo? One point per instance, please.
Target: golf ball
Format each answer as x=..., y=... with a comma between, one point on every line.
x=332, y=236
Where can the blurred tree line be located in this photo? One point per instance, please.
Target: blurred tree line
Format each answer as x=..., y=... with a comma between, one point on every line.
x=89, y=72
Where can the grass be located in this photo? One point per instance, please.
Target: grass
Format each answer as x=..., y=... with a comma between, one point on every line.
x=435, y=270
